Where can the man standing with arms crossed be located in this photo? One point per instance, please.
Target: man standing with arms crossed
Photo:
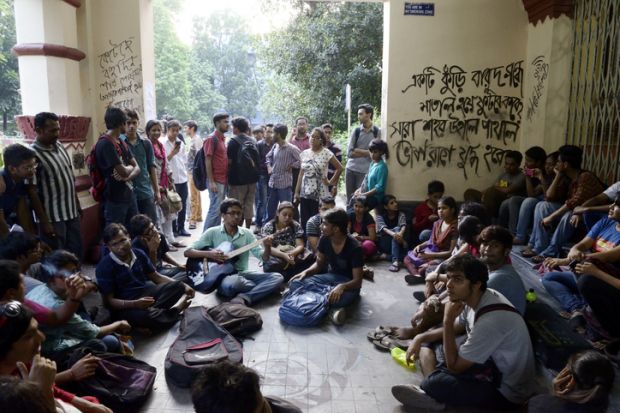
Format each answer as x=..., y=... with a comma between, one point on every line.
x=358, y=155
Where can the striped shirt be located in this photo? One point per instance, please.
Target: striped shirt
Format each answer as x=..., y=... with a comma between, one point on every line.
x=281, y=158
x=55, y=182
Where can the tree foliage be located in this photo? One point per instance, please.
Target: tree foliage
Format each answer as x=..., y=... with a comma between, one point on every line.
x=325, y=47
x=10, y=99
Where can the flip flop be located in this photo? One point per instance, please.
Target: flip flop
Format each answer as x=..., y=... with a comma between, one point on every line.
x=387, y=343
x=537, y=259
x=414, y=279
x=380, y=332
x=528, y=253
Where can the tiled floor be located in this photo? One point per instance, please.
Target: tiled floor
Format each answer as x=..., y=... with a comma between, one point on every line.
x=321, y=369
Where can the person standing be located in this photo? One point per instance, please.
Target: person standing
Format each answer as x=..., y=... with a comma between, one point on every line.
x=119, y=168
x=300, y=139
x=358, y=155
x=243, y=167
x=56, y=186
x=328, y=129
x=145, y=184
x=195, y=145
x=177, y=161
x=262, y=186
x=281, y=160
x=216, y=162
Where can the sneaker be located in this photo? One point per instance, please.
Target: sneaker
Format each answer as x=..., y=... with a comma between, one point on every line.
x=412, y=395
x=338, y=316
x=183, y=233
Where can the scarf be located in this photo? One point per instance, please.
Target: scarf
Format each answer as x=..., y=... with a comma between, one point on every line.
x=160, y=153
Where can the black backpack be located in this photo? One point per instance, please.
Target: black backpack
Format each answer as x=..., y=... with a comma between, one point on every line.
x=199, y=170
x=120, y=382
x=201, y=342
x=247, y=161
x=238, y=319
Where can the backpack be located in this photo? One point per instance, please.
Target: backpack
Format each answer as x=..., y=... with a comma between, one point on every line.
x=306, y=305
x=199, y=171
x=358, y=131
x=247, y=161
x=120, y=382
x=96, y=177
x=238, y=319
x=201, y=341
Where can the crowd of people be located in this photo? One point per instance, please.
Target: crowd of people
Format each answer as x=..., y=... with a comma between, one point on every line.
x=468, y=334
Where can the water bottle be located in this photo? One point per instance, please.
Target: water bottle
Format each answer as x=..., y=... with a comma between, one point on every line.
x=530, y=296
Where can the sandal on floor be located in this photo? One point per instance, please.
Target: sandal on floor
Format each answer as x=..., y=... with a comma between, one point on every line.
x=537, y=259
x=414, y=279
x=528, y=252
x=394, y=267
x=380, y=332
x=387, y=343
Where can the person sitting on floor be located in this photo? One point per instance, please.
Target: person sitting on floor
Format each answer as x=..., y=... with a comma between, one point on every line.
x=79, y=331
x=597, y=207
x=232, y=387
x=391, y=227
x=288, y=254
x=425, y=214
x=244, y=286
x=442, y=242
x=547, y=241
x=339, y=263
x=583, y=386
x=149, y=240
x=362, y=226
x=25, y=249
x=602, y=243
x=509, y=183
x=485, y=371
x=313, y=227
x=133, y=289
x=20, y=344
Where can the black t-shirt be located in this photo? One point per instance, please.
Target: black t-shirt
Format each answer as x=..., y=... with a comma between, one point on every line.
x=350, y=257
x=235, y=175
x=107, y=158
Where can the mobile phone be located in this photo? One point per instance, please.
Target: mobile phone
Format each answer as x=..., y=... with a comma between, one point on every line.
x=177, y=143
x=528, y=172
x=573, y=264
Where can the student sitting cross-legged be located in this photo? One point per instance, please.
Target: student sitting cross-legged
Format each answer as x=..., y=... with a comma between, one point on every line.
x=338, y=263
x=133, y=289
x=485, y=371
x=244, y=286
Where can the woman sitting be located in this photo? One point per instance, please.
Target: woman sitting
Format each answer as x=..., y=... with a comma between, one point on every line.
x=288, y=253
x=391, y=226
x=442, y=242
x=583, y=386
x=362, y=226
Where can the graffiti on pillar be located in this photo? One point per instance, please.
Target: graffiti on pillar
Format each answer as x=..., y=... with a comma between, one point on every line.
x=481, y=108
x=121, y=75
x=540, y=72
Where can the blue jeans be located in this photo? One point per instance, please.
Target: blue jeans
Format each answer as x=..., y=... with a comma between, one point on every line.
x=347, y=298
x=260, y=200
x=509, y=212
x=541, y=236
x=389, y=245
x=563, y=287
x=120, y=212
x=277, y=195
x=526, y=216
x=214, y=217
x=251, y=286
x=179, y=223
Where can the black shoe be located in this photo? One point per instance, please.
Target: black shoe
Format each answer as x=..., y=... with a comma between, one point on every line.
x=419, y=295
x=414, y=279
x=183, y=233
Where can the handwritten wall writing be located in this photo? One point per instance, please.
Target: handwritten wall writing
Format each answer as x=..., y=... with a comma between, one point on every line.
x=121, y=75
x=540, y=70
x=465, y=157
x=481, y=108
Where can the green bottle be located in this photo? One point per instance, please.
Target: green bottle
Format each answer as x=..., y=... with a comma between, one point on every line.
x=530, y=296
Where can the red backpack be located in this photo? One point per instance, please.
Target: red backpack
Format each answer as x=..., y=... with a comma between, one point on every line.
x=96, y=177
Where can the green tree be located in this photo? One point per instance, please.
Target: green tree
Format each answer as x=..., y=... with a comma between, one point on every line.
x=172, y=64
x=326, y=46
x=223, y=44
x=10, y=99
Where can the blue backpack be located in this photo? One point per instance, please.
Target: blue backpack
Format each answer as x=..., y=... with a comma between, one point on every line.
x=305, y=304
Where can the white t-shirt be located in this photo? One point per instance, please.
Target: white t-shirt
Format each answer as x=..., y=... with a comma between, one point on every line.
x=178, y=162
x=613, y=191
x=314, y=165
x=502, y=336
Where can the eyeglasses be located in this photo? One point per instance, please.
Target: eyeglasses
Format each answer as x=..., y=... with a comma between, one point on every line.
x=9, y=310
x=235, y=213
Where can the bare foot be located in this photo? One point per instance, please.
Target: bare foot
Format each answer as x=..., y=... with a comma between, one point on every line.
x=406, y=333
x=182, y=304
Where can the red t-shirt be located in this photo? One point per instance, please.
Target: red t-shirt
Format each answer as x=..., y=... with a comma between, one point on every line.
x=216, y=149
x=421, y=214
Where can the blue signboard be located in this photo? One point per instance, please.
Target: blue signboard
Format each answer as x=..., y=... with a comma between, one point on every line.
x=419, y=9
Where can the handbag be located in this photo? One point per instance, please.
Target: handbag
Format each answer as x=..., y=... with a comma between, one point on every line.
x=176, y=203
